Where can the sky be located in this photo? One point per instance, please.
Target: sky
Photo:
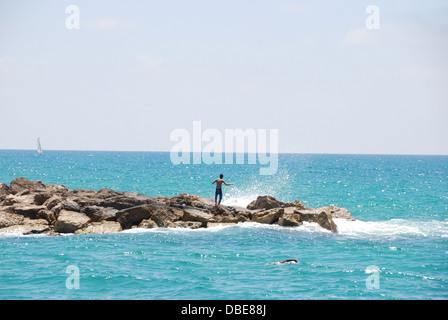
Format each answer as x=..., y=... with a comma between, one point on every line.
x=135, y=71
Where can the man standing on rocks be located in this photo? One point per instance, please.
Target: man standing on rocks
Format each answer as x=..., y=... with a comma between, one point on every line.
x=218, y=191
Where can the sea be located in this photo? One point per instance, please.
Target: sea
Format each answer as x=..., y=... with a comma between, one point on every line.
x=396, y=249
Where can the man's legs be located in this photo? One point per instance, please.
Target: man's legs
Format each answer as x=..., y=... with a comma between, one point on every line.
x=218, y=193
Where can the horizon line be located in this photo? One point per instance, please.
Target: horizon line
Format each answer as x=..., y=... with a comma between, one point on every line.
x=298, y=153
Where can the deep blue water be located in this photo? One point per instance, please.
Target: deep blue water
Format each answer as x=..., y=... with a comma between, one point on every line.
x=400, y=203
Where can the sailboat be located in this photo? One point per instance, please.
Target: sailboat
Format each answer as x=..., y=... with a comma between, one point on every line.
x=39, y=147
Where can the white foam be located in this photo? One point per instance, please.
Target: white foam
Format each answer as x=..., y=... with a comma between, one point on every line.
x=393, y=228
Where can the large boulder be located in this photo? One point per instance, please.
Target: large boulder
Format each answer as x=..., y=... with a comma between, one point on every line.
x=191, y=214
x=28, y=226
x=147, y=224
x=96, y=213
x=325, y=220
x=341, y=213
x=265, y=202
x=4, y=190
x=9, y=218
x=21, y=184
x=133, y=216
x=267, y=216
x=100, y=227
x=56, y=189
x=296, y=204
x=29, y=211
x=70, y=221
x=290, y=219
x=163, y=218
x=188, y=224
x=191, y=201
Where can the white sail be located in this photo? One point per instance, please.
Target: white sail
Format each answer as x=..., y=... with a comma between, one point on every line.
x=39, y=148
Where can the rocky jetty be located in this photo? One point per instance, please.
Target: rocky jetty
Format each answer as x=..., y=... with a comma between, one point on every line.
x=30, y=207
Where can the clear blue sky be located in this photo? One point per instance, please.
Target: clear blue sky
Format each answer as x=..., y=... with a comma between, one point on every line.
x=136, y=70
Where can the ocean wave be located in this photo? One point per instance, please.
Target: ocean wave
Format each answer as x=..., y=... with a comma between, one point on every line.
x=394, y=228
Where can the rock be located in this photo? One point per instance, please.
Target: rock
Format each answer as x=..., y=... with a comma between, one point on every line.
x=163, y=218
x=341, y=213
x=27, y=226
x=29, y=211
x=70, y=221
x=100, y=227
x=20, y=184
x=56, y=189
x=41, y=197
x=325, y=220
x=290, y=220
x=267, y=216
x=27, y=199
x=4, y=190
x=191, y=214
x=35, y=226
x=148, y=224
x=8, y=218
x=188, y=224
x=296, y=204
x=96, y=213
x=191, y=201
x=52, y=202
x=47, y=215
x=265, y=202
x=70, y=205
x=133, y=216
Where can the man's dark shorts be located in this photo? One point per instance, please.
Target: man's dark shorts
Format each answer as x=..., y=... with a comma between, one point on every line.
x=218, y=192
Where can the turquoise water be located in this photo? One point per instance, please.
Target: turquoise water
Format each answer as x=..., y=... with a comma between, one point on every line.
x=400, y=203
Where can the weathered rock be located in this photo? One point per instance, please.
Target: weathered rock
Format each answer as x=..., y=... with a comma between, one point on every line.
x=47, y=215
x=70, y=221
x=188, y=224
x=27, y=199
x=56, y=189
x=100, y=227
x=191, y=214
x=96, y=213
x=4, y=190
x=325, y=220
x=296, y=204
x=267, y=216
x=191, y=201
x=133, y=216
x=148, y=224
x=163, y=218
x=265, y=202
x=289, y=220
x=70, y=205
x=20, y=184
x=29, y=211
x=341, y=213
x=41, y=197
x=52, y=202
x=36, y=225
x=26, y=229
x=8, y=218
